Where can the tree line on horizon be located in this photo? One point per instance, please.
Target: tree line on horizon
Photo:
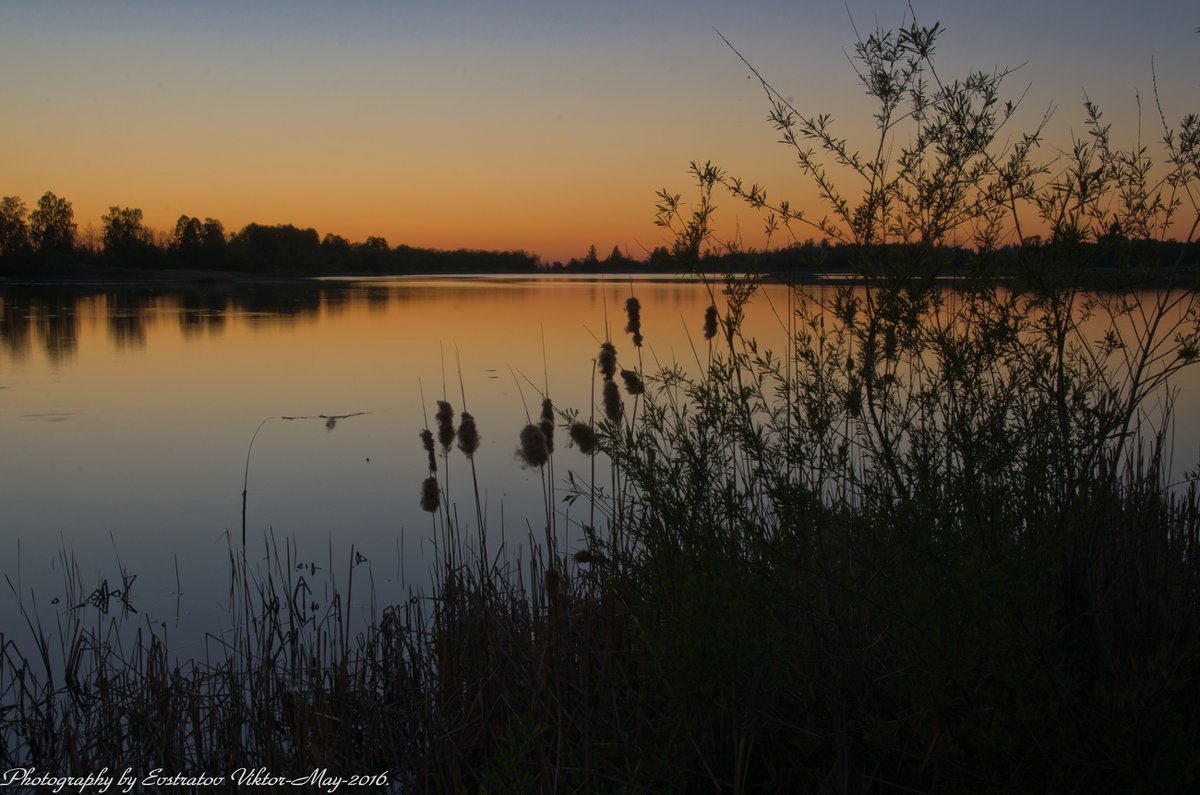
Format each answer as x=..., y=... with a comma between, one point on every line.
x=45, y=242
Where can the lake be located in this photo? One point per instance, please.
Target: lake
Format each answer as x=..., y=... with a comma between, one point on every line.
x=127, y=415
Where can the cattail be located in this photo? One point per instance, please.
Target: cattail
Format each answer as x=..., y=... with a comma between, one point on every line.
x=583, y=556
x=854, y=397
x=633, y=382
x=633, y=309
x=430, y=494
x=612, y=400
x=546, y=423
x=608, y=361
x=552, y=582
x=445, y=423
x=427, y=443
x=890, y=343
x=584, y=437
x=710, y=322
x=533, y=449
x=468, y=435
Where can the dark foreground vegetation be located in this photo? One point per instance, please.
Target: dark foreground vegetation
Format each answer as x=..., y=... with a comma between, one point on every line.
x=933, y=544
x=203, y=252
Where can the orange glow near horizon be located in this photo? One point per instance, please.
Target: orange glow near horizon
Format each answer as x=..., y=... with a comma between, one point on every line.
x=535, y=128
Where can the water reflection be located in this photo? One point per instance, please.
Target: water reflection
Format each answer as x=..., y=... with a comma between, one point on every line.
x=201, y=312
x=128, y=412
x=15, y=334
x=57, y=327
x=50, y=316
x=127, y=314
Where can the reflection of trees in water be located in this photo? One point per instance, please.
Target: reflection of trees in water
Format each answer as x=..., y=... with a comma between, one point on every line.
x=337, y=300
x=202, y=311
x=57, y=326
x=464, y=291
x=52, y=315
x=275, y=302
x=376, y=298
x=127, y=317
x=14, y=328
x=50, y=318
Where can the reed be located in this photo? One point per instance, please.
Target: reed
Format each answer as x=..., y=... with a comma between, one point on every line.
x=934, y=545
x=774, y=600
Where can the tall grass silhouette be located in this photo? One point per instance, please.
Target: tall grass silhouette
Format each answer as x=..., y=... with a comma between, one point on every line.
x=933, y=544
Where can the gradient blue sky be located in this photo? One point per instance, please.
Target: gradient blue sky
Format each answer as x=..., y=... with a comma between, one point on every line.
x=544, y=126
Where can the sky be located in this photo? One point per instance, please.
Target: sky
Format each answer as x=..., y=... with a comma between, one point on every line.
x=541, y=126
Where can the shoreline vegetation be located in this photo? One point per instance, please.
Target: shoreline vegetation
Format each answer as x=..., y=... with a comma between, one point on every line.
x=931, y=545
x=278, y=257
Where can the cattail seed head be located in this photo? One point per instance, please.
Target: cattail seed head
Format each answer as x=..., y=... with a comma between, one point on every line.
x=710, y=322
x=583, y=556
x=854, y=398
x=427, y=443
x=890, y=343
x=533, y=450
x=584, y=437
x=547, y=429
x=445, y=423
x=633, y=310
x=608, y=361
x=612, y=400
x=633, y=382
x=552, y=582
x=430, y=494
x=468, y=435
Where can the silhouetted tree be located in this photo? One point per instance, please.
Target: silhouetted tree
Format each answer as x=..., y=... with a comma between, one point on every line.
x=52, y=224
x=126, y=238
x=213, y=237
x=335, y=243
x=198, y=243
x=378, y=243
x=188, y=237
x=336, y=253
x=618, y=261
x=661, y=259
x=213, y=233
x=14, y=226
x=283, y=246
x=122, y=227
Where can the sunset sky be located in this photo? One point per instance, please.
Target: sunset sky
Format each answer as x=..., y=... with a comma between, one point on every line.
x=543, y=126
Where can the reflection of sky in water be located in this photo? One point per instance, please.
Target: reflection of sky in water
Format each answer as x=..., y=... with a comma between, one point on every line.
x=126, y=416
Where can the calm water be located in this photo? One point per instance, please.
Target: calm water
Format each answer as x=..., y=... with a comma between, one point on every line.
x=126, y=416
